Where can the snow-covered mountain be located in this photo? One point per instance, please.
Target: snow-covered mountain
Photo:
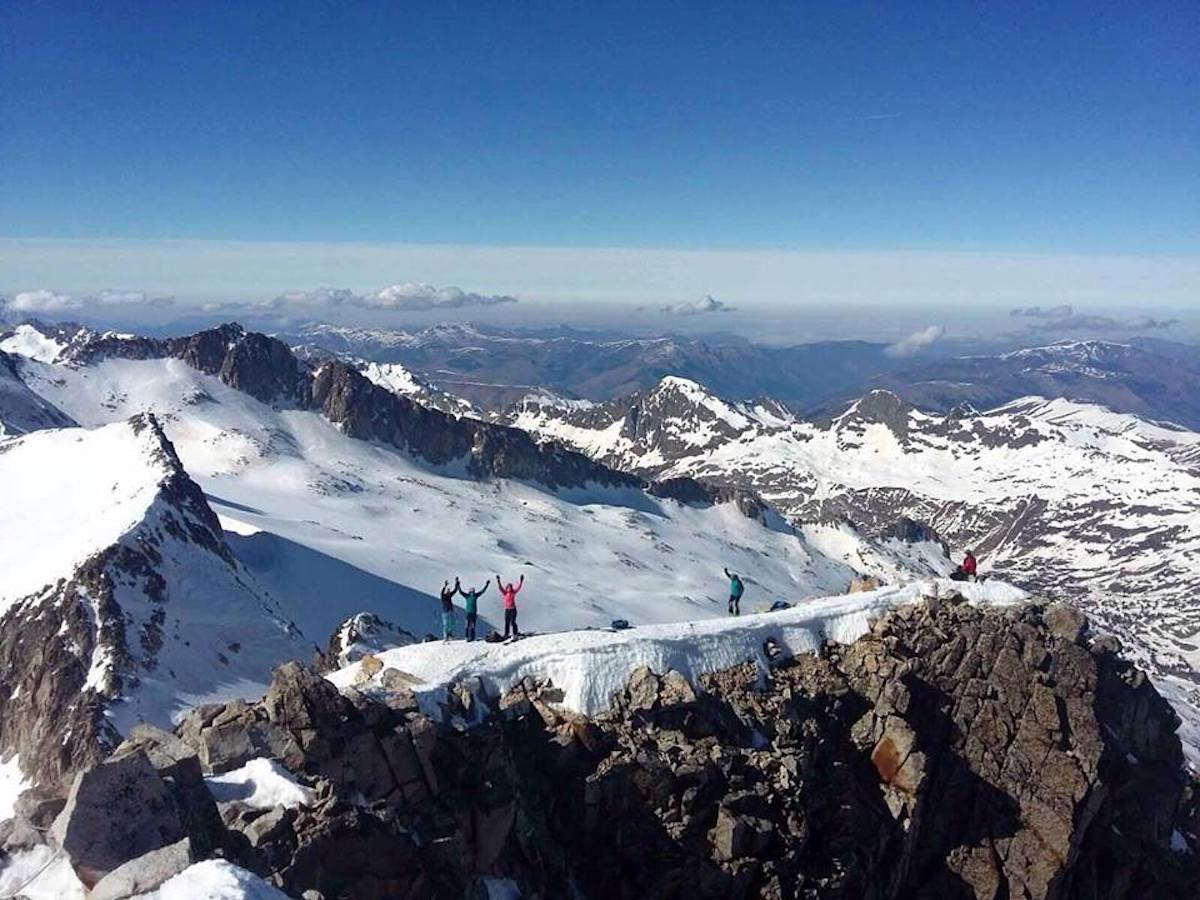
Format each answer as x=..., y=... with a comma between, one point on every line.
x=1058, y=496
x=120, y=600
x=364, y=481
x=494, y=367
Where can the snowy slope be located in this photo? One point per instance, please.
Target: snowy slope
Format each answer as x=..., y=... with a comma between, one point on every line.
x=115, y=576
x=21, y=410
x=335, y=525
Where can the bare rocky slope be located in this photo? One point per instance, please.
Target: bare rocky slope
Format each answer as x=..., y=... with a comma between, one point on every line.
x=951, y=752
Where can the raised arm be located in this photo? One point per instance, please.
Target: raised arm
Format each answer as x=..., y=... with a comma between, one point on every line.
x=499, y=583
x=483, y=590
x=520, y=584
x=727, y=575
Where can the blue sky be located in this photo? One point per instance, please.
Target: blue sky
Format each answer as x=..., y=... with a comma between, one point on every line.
x=1055, y=129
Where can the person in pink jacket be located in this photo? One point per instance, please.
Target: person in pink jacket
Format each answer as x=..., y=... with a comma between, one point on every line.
x=509, y=593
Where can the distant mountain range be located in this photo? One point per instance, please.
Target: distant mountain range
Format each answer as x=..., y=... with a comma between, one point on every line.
x=1147, y=377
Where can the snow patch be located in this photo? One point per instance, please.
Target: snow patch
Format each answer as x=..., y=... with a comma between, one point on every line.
x=262, y=784
x=40, y=873
x=12, y=782
x=215, y=879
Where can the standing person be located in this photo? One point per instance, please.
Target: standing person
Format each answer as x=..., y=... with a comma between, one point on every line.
x=448, y=608
x=736, y=589
x=471, y=598
x=509, y=593
x=970, y=566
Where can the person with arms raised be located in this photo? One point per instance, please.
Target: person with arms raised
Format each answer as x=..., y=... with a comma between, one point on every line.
x=509, y=594
x=471, y=602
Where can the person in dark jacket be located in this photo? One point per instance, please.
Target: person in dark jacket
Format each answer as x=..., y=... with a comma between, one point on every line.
x=448, y=608
x=471, y=602
x=736, y=589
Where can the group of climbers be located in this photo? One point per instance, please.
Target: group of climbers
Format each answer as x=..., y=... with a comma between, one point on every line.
x=508, y=593
x=967, y=571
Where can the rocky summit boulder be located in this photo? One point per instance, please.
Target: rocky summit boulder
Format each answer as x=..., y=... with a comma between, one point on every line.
x=115, y=812
x=952, y=752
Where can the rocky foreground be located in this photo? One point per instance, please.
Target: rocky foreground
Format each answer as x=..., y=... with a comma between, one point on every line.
x=952, y=752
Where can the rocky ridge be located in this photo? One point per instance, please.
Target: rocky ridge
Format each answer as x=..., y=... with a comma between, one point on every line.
x=951, y=752
x=267, y=369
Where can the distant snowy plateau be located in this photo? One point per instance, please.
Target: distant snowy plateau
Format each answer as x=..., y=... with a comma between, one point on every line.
x=181, y=514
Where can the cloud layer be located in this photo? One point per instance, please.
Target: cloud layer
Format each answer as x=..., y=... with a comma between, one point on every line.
x=412, y=296
x=408, y=297
x=44, y=301
x=916, y=342
x=1064, y=318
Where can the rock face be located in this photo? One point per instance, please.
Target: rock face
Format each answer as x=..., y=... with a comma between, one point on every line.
x=950, y=753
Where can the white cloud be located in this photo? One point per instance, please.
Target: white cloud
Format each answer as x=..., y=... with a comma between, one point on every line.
x=42, y=300
x=916, y=342
x=706, y=304
x=416, y=295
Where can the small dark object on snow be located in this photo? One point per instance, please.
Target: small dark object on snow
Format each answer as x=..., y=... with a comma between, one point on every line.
x=778, y=605
x=620, y=624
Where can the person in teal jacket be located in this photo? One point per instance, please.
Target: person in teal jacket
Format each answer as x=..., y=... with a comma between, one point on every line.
x=736, y=589
x=471, y=601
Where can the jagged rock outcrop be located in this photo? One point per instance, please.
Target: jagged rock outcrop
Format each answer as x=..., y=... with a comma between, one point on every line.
x=361, y=634
x=952, y=752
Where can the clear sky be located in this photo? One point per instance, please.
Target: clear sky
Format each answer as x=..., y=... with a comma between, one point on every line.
x=1060, y=129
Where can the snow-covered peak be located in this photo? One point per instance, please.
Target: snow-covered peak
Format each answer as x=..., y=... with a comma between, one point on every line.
x=27, y=340
x=401, y=381
x=118, y=571
x=78, y=491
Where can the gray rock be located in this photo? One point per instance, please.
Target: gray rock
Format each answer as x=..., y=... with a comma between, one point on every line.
x=225, y=747
x=117, y=811
x=170, y=756
x=145, y=873
x=1065, y=621
x=38, y=807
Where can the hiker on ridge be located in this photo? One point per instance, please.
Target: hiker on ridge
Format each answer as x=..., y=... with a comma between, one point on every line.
x=471, y=598
x=736, y=589
x=970, y=566
x=509, y=593
x=448, y=608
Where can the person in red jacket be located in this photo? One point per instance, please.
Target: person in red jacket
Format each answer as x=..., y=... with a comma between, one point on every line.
x=970, y=566
x=509, y=593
